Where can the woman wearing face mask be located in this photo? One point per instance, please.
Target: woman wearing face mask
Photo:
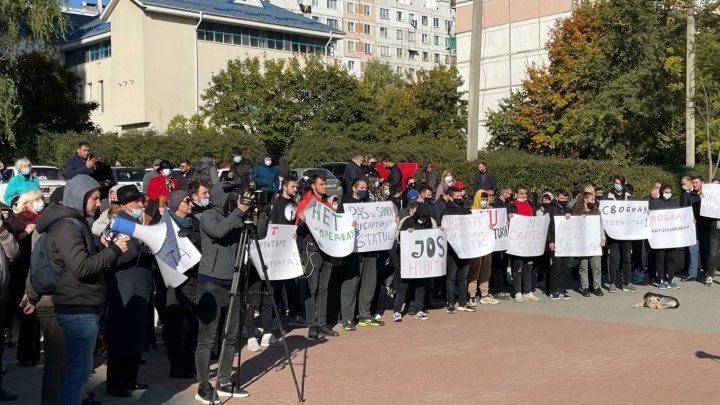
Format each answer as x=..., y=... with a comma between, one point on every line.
x=446, y=181
x=480, y=267
x=162, y=185
x=587, y=205
x=28, y=209
x=21, y=182
x=129, y=290
x=522, y=266
x=374, y=187
x=385, y=193
x=665, y=258
x=266, y=177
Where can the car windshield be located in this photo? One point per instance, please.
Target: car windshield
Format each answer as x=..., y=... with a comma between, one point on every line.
x=129, y=174
x=48, y=173
x=325, y=172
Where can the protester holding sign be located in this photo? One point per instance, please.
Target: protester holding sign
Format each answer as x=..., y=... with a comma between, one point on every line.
x=587, y=206
x=619, y=249
x=691, y=198
x=559, y=265
x=522, y=266
x=500, y=260
x=317, y=264
x=457, y=268
x=708, y=235
x=421, y=219
x=665, y=258
x=480, y=267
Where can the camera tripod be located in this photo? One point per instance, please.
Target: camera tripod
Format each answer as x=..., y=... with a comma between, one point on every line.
x=248, y=237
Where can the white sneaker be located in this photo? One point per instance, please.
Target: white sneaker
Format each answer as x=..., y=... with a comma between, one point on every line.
x=530, y=297
x=377, y=317
x=397, y=317
x=488, y=301
x=270, y=340
x=519, y=298
x=253, y=346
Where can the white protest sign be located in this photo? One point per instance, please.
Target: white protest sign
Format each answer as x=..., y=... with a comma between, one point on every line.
x=423, y=253
x=279, y=252
x=469, y=235
x=672, y=228
x=710, y=203
x=497, y=217
x=375, y=227
x=625, y=220
x=528, y=235
x=333, y=232
x=578, y=236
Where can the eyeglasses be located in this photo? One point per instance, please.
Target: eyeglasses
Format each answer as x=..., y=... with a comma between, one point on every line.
x=187, y=201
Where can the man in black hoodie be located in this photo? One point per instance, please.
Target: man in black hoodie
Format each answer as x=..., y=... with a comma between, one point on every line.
x=457, y=268
x=559, y=265
x=80, y=286
x=242, y=169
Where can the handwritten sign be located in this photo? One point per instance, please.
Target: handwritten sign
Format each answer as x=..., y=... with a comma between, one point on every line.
x=375, y=229
x=279, y=252
x=528, y=235
x=672, y=228
x=423, y=253
x=578, y=236
x=333, y=232
x=469, y=235
x=497, y=218
x=710, y=203
x=625, y=220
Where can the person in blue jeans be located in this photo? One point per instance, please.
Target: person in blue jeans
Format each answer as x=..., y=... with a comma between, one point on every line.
x=80, y=285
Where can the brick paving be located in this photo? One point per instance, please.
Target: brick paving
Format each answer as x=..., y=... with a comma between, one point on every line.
x=596, y=350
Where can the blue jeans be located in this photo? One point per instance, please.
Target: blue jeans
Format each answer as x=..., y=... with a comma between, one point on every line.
x=80, y=334
x=694, y=253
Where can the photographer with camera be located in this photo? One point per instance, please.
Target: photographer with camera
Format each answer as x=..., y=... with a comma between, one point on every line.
x=82, y=162
x=220, y=230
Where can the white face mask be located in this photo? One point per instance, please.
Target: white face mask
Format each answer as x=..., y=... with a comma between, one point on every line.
x=386, y=192
x=268, y=162
x=448, y=179
x=38, y=206
x=521, y=199
x=26, y=171
x=667, y=196
x=166, y=172
x=237, y=159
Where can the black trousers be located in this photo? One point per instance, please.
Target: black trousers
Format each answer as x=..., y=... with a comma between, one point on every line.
x=457, y=275
x=498, y=268
x=619, y=251
x=315, y=290
x=558, y=273
x=417, y=286
x=180, y=333
x=294, y=305
x=522, y=274
x=28, y=344
x=54, y=368
x=665, y=263
x=122, y=370
x=359, y=279
x=257, y=297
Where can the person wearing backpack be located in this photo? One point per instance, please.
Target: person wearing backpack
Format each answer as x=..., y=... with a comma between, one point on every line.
x=79, y=295
x=8, y=251
x=205, y=170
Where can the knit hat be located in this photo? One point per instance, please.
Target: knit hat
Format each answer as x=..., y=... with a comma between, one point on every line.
x=175, y=198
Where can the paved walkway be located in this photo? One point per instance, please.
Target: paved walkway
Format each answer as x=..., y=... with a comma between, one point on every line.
x=596, y=350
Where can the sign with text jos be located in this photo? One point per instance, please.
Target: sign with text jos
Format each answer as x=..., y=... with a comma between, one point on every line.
x=673, y=228
x=497, y=217
x=333, y=232
x=375, y=229
x=280, y=253
x=423, y=253
x=625, y=220
x=578, y=236
x=710, y=203
x=528, y=235
x=469, y=235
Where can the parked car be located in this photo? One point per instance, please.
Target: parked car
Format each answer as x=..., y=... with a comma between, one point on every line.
x=50, y=178
x=336, y=168
x=125, y=176
x=334, y=185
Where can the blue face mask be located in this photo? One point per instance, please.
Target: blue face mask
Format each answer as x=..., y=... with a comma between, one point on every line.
x=137, y=213
x=618, y=187
x=25, y=171
x=363, y=194
x=204, y=202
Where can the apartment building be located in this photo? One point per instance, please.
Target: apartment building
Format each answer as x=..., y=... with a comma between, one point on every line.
x=146, y=61
x=408, y=35
x=514, y=37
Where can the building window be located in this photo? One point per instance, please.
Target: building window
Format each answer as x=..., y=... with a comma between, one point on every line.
x=350, y=26
x=316, y=18
x=437, y=58
x=100, y=50
x=350, y=7
x=399, y=70
x=411, y=36
x=101, y=99
x=426, y=57
x=399, y=53
x=332, y=23
x=332, y=4
x=88, y=92
x=425, y=38
x=368, y=48
x=398, y=15
x=384, y=51
x=257, y=38
x=383, y=32
x=366, y=10
x=399, y=34
x=424, y=20
x=436, y=40
x=315, y=3
x=448, y=25
x=411, y=71
x=351, y=65
x=447, y=42
x=412, y=55
x=436, y=22
x=351, y=46
x=366, y=29
x=384, y=13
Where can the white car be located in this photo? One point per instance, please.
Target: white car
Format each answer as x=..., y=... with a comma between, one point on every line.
x=129, y=176
x=50, y=178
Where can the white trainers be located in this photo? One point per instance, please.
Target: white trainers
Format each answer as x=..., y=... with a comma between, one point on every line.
x=377, y=317
x=397, y=317
x=530, y=297
x=270, y=340
x=488, y=301
x=253, y=346
x=519, y=298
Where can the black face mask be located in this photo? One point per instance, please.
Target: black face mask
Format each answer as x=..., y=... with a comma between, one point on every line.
x=563, y=203
x=363, y=194
x=458, y=201
x=590, y=206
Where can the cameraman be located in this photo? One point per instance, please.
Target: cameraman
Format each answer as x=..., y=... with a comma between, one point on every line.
x=220, y=229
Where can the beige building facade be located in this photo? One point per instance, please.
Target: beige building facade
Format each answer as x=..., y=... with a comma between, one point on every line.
x=145, y=62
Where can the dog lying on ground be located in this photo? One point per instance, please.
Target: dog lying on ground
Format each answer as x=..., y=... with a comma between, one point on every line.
x=658, y=301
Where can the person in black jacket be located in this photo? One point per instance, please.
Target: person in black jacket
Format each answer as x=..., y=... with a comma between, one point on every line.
x=484, y=180
x=559, y=265
x=243, y=170
x=353, y=171
x=665, y=258
x=80, y=287
x=394, y=176
x=457, y=268
x=708, y=235
x=185, y=176
x=81, y=162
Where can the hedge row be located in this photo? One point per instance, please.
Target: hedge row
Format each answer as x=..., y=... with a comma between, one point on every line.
x=510, y=167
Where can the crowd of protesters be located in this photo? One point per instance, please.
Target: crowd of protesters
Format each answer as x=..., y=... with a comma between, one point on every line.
x=109, y=287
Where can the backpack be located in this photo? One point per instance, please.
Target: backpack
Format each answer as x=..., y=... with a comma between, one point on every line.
x=202, y=173
x=43, y=276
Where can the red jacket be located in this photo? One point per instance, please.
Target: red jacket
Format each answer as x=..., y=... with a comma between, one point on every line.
x=309, y=196
x=161, y=185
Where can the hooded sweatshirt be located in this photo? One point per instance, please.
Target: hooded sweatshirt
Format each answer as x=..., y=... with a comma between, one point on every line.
x=80, y=287
x=219, y=235
x=266, y=177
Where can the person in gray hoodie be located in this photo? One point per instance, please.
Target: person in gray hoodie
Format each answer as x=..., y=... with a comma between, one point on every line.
x=80, y=286
x=220, y=230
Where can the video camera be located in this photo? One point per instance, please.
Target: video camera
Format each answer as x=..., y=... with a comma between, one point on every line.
x=238, y=190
